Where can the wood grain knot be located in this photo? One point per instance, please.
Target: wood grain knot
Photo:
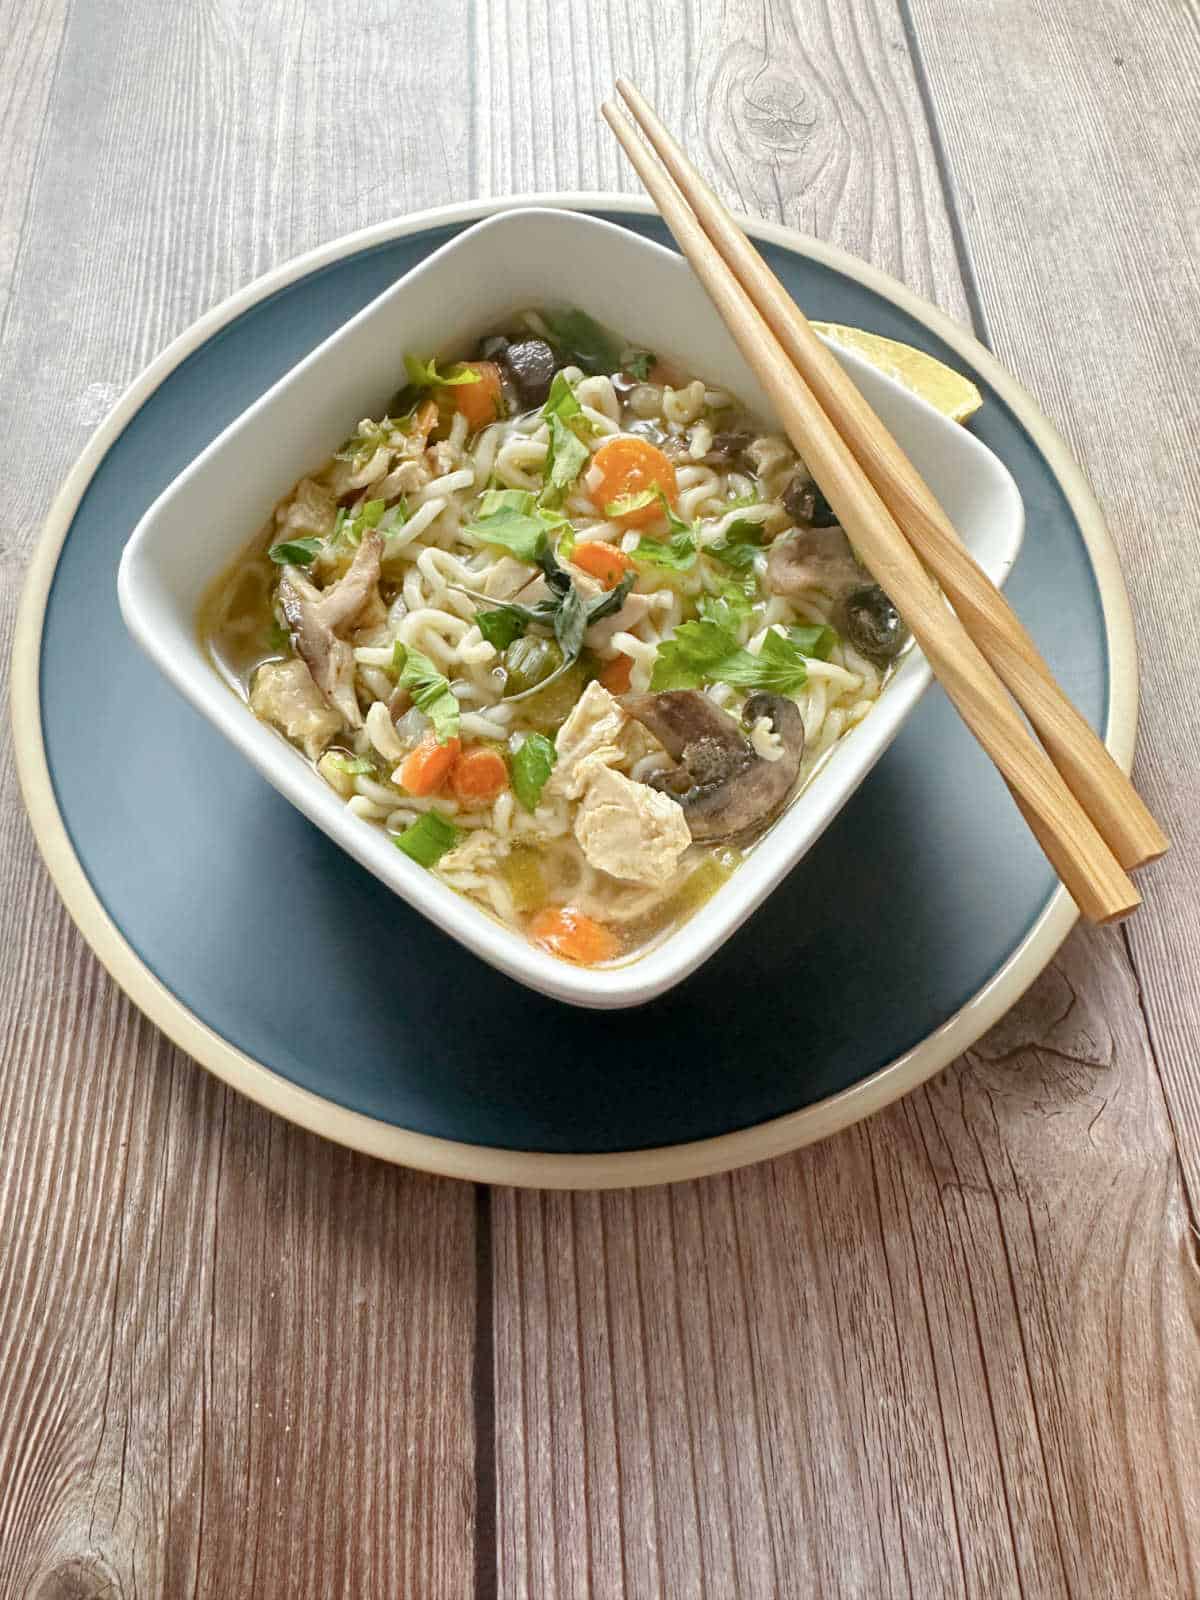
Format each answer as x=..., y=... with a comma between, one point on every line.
x=774, y=112
x=77, y=1579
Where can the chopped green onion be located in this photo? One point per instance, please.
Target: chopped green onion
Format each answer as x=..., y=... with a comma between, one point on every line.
x=352, y=766
x=428, y=839
x=295, y=552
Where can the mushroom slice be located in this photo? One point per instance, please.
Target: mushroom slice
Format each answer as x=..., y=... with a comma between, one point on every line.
x=314, y=616
x=724, y=786
x=813, y=558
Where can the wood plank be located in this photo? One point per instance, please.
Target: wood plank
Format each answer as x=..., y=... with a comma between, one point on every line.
x=1080, y=169
x=776, y=105
x=952, y=1351
x=233, y=1358
x=32, y=34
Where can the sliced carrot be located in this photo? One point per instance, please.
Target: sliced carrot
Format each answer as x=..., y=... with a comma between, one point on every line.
x=628, y=466
x=426, y=768
x=602, y=561
x=480, y=402
x=571, y=936
x=479, y=774
x=614, y=675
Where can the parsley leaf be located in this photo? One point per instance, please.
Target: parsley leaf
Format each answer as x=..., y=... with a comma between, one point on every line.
x=428, y=839
x=624, y=504
x=737, y=545
x=676, y=554
x=530, y=767
x=516, y=531
x=502, y=624
x=565, y=460
x=704, y=652
x=352, y=528
x=425, y=374
x=728, y=609
x=639, y=363
x=562, y=401
x=278, y=637
x=814, y=639
x=295, y=552
x=584, y=341
x=431, y=693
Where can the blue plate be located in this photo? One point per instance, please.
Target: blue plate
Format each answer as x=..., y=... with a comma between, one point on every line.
x=258, y=926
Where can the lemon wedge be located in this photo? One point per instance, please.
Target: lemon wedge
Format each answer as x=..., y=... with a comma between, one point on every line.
x=954, y=396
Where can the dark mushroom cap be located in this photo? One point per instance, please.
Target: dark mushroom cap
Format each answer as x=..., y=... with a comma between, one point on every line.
x=725, y=788
x=872, y=624
x=531, y=364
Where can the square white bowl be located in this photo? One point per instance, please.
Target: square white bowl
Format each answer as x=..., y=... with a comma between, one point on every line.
x=650, y=296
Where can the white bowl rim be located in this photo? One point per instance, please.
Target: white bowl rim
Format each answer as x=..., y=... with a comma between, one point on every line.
x=495, y=1164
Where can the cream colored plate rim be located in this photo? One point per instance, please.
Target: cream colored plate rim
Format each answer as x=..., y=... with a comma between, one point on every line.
x=486, y=1164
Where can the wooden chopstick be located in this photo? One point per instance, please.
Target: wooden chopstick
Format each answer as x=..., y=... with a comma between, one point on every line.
x=1102, y=789
x=1075, y=849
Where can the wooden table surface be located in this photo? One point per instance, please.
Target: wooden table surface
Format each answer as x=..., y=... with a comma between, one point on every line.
x=955, y=1350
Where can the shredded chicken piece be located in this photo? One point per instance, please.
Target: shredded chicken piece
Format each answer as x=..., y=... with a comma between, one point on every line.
x=284, y=693
x=311, y=510
x=314, y=616
x=592, y=737
x=629, y=830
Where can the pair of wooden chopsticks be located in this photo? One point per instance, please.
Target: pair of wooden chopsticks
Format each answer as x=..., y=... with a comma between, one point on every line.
x=1083, y=810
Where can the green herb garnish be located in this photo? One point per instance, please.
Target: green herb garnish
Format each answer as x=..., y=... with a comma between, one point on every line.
x=562, y=401
x=502, y=624
x=639, y=363
x=728, y=609
x=566, y=458
x=425, y=374
x=530, y=767
x=587, y=344
x=353, y=766
x=295, y=552
x=624, y=504
x=705, y=652
x=523, y=533
x=737, y=546
x=814, y=639
x=351, y=528
x=430, y=690
x=676, y=554
x=428, y=839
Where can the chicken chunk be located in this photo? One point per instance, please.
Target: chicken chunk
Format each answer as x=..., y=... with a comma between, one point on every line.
x=312, y=511
x=315, y=615
x=284, y=693
x=629, y=830
x=593, y=737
